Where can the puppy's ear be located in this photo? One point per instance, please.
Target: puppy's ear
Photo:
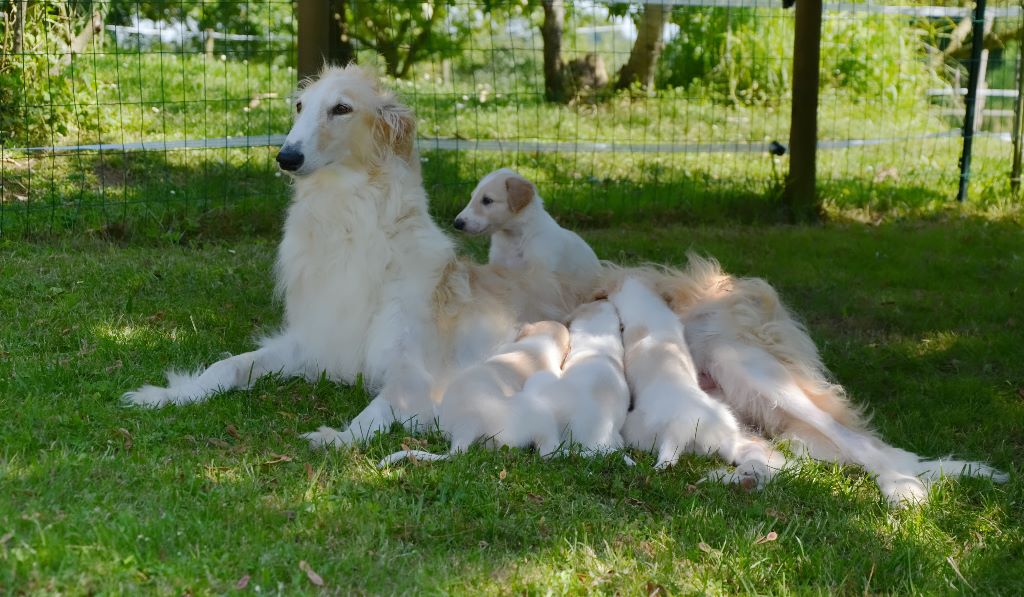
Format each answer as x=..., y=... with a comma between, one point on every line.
x=520, y=193
x=395, y=128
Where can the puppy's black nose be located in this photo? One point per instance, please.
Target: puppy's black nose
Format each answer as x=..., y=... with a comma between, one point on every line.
x=460, y=223
x=289, y=159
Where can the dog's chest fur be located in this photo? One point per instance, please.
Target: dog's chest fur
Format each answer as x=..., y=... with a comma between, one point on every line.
x=357, y=259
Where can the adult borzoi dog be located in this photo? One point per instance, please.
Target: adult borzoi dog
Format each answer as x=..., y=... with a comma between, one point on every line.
x=370, y=284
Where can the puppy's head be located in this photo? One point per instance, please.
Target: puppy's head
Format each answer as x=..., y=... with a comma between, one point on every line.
x=496, y=201
x=552, y=329
x=345, y=117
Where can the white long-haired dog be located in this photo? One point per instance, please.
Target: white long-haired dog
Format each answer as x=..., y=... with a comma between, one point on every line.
x=766, y=368
x=671, y=414
x=591, y=397
x=508, y=207
x=370, y=284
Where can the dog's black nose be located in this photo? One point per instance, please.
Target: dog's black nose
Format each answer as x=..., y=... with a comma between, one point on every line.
x=460, y=223
x=289, y=159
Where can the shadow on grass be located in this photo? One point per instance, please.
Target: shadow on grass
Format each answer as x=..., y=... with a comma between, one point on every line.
x=210, y=194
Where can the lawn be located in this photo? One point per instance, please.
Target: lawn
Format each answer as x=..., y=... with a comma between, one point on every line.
x=920, y=320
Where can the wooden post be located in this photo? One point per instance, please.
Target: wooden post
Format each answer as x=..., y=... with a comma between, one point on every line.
x=1018, y=119
x=977, y=44
x=314, y=36
x=801, y=198
x=979, y=108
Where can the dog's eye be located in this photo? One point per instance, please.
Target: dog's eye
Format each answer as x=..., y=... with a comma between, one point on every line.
x=298, y=107
x=341, y=110
x=487, y=200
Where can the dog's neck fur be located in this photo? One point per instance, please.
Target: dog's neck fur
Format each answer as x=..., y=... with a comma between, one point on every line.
x=513, y=238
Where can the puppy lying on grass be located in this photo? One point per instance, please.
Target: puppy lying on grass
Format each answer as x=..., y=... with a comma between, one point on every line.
x=494, y=401
x=508, y=207
x=671, y=414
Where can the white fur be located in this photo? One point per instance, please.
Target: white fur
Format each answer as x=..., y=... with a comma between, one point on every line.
x=529, y=237
x=370, y=284
x=671, y=414
x=495, y=401
x=767, y=369
x=591, y=397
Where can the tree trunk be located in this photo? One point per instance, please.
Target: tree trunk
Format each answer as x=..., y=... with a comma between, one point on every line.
x=341, y=51
x=646, y=49
x=81, y=41
x=556, y=88
x=19, y=27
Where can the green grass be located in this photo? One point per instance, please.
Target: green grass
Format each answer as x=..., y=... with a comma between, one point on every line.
x=920, y=320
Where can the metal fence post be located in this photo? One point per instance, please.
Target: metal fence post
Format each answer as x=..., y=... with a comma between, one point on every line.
x=973, y=83
x=314, y=35
x=801, y=197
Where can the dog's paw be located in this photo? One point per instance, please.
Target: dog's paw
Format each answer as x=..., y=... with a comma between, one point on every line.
x=149, y=397
x=745, y=475
x=902, y=490
x=325, y=437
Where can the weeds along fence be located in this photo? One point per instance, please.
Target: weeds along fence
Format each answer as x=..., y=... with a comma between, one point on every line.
x=128, y=118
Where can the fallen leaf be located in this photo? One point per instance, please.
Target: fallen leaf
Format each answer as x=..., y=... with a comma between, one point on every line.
x=705, y=547
x=502, y=475
x=772, y=536
x=1020, y=392
x=309, y=472
x=242, y=582
x=313, y=576
x=536, y=498
x=278, y=459
x=233, y=432
x=117, y=365
x=7, y=537
x=213, y=441
x=653, y=589
x=690, y=488
x=128, y=441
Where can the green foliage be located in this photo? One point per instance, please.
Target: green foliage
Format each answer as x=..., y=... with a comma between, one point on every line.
x=35, y=100
x=407, y=32
x=745, y=56
x=229, y=16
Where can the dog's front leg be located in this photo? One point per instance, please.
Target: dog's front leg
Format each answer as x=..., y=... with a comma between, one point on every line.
x=404, y=398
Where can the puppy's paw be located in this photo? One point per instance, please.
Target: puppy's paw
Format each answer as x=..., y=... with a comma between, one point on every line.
x=325, y=437
x=745, y=475
x=148, y=397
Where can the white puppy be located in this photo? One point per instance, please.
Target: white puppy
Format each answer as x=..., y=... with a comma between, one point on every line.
x=671, y=414
x=493, y=402
x=591, y=397
x=507, y=206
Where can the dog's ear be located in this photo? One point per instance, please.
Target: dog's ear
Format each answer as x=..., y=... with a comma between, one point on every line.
x=395, y=129
x=520, y=193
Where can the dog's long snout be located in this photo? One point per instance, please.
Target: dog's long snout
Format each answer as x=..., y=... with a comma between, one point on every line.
x=290, y=159
x=460, y=224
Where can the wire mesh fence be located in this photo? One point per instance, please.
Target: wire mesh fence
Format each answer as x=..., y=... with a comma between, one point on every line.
x=129, y=117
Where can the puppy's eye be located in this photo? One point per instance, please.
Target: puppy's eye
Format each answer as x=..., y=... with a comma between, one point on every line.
x=341, y=110
x=487, y=200
x=298, y=107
